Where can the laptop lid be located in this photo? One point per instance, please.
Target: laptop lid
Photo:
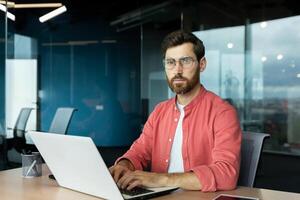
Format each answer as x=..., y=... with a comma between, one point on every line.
x=77, y=165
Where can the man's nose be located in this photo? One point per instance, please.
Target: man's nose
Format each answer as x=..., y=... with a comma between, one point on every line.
x=178, y=67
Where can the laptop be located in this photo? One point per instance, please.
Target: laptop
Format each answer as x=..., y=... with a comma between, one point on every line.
x=76, y=164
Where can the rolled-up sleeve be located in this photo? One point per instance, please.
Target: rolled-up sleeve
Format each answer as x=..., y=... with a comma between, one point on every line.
x=223, y=172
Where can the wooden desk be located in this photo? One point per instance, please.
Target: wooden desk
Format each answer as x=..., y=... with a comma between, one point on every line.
x=13, y=186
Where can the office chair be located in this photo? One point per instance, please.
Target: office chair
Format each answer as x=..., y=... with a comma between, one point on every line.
x=18, y=141
x=252, y=144
x=61, y=120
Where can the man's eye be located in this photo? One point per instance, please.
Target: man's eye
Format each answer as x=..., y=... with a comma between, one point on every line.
x=185, y=60
x=170, y=62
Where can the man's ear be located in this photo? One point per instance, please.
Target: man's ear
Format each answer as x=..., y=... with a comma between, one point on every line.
x=202, y=64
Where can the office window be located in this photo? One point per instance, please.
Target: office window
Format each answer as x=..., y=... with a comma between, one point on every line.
x=257, y=68
x=82, y=64
x=275, y=63
x=225, y=54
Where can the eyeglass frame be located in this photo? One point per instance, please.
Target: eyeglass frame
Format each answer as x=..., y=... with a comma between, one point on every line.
x=180, y=62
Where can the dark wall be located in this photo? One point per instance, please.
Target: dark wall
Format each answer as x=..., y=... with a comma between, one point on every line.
x=100, y=79
x=278, y=172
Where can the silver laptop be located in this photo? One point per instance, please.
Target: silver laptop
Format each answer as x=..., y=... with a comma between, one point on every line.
x=76, y=164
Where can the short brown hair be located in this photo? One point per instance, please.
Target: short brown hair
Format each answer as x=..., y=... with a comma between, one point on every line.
x=180, y=37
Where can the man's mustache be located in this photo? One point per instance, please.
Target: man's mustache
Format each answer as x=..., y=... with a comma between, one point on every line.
x=178, y=76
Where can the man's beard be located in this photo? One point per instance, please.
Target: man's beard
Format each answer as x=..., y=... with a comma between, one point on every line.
x=187, y=86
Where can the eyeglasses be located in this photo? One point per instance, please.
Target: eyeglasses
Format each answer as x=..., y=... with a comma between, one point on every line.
x=185, y=62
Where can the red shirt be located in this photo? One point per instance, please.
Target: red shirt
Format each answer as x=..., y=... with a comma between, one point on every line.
x=210, y=145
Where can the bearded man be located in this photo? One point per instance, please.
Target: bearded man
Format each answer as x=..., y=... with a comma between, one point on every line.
x=191, y=141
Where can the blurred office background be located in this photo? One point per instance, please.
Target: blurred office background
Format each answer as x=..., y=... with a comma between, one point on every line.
x=104, y=59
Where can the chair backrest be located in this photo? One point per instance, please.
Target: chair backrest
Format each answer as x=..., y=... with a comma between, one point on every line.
x=19, y=129
x=61, y=120
x=250, y=153
x=21, y=122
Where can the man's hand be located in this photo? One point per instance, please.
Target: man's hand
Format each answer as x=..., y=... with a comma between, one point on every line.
x=122, y=167
x=127, y=177
x=141, y=178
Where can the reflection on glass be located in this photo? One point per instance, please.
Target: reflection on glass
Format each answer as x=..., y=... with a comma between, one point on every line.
x=262, y=81
x=279, y=105
x=224, y=73
x=90, y=76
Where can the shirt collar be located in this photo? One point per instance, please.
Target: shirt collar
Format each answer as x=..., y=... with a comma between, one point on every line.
x=195, y=101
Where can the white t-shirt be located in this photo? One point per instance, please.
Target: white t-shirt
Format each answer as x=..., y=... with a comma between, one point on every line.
x=176, y=161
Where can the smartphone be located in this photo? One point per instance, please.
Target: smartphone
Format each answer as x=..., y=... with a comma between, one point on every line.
x=233, y=197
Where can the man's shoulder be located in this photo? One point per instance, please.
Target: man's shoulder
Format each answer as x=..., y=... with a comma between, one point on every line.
x=162, y=108
x=165, y=104
x=216, y=101
x=211, y=96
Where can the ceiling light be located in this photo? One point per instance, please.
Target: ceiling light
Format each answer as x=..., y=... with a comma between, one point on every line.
x=263, y=58
x=38, y=5
x=279, y=56
x=9, y=15
x=263, y=24
x=230, y=45
x=298, y=75
x=52, y=14
x=9, y=4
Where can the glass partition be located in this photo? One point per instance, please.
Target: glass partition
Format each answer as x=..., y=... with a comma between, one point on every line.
x=255, y=67
x=2, y=70
x=83, y=64
x=225, y=54
x=115, y=78
x=94, y=70
x=275, y=93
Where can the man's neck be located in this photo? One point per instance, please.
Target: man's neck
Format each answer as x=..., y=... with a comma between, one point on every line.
x=185, y=99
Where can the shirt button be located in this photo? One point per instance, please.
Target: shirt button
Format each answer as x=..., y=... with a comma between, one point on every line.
x=170, y=140
x=167, y=160
x=175, y=119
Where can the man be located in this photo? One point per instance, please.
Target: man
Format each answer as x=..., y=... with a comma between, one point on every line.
x=191, y=141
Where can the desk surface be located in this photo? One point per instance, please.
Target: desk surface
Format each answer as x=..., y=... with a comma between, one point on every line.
x=13, y=186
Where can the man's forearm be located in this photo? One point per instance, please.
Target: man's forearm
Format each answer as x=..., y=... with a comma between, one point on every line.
x=187, y=180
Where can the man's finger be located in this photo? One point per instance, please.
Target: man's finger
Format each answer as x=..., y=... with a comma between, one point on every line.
x=117, y=174
x=111, y=170
x=125, y=179
x=134, y=184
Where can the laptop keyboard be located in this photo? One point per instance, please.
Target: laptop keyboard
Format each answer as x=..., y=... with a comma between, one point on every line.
x=135, y=191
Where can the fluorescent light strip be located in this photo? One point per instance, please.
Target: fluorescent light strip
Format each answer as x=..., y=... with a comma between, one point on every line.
x=38, y=5
x=9, y=15
x=10, y=4
x=52, y=14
